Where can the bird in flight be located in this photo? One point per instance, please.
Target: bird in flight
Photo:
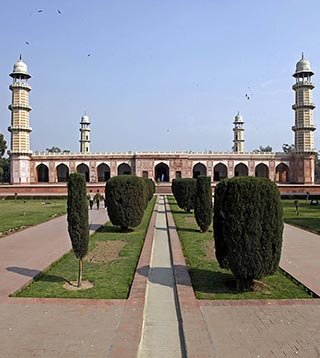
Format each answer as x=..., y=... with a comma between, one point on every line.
x=59, y=12
x=40, y=10
x=27, y=43
x=89, y=54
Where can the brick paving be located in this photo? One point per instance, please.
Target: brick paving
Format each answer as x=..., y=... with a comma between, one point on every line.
x=26, y=253
x=262, y=330
x=101, y=328
x=301, y=257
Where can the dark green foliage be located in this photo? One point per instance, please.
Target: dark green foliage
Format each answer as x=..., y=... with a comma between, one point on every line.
x=150, y=189
x=203, y=203
x=77, y=210
x=125, y=200
x=184, y=191
x=248, y=227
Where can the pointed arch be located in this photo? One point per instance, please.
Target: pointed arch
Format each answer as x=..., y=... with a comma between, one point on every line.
x=199, y=169
x=42, y=173
x=161, y=172
x=103, y=171
x=62, y=172
x=84, y=169
x=124, y=169
x=282, y=173
x=262, y=171
x=241, y=170
x=220, y=172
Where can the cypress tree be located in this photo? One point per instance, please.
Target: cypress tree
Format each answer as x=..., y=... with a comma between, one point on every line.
x=203, y=203
x=77, y=217
x=248, y=226
x=125, y=199
x=184, y=192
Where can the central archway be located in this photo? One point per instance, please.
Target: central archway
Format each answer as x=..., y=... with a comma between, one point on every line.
x=103, y=172
x=161, y=172
x=42, y=173
x=124, y=169
x=262, y=171
x=199, y=169
x=62, y=173
x=241, y=170
x=220, y=172
x=282, y=173
x=83, y=169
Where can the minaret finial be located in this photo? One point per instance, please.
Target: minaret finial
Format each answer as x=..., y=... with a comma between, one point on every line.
x=238, y=113
x=20, y=57
x=302, y=57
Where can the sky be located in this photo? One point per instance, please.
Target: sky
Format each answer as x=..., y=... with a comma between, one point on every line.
x=159, y=75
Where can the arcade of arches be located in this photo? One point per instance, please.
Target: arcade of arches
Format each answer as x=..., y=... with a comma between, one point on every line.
x=160, y=172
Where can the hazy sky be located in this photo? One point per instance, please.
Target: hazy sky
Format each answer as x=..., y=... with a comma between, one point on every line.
x=162, y=74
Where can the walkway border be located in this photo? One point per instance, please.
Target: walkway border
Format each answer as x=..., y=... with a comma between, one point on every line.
x=128, y=334
x=197, y=338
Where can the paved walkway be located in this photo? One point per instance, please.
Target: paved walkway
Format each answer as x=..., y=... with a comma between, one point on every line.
x=161, y=330
x=26, y=253
x=111, y=328
x=301, y=256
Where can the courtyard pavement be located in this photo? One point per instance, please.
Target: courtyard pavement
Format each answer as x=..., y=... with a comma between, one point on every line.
x=112, y=328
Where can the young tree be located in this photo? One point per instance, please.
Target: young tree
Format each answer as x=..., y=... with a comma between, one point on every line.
x=203, y=203
x=125, y=199
x=248, y=227
x=4, y=162
x=77, y=216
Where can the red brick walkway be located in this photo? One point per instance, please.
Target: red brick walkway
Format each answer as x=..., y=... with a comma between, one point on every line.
x=26, y=253
x=301, y=257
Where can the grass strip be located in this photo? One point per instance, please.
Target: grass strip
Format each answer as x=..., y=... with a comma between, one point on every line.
x=308, y=219
x=211, y=282
x=19, y=214
x=111, y=279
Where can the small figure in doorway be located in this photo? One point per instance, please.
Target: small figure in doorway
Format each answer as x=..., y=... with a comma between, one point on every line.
x=296, y=204
x=97, y=198
x=90, y=197
x=162, y=177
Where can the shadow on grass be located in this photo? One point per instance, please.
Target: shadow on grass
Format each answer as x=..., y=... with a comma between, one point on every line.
x=212, y=281
x=94, y=227
x=113, y=229
x=36, y=274
x=188, y=229
x=202, y=280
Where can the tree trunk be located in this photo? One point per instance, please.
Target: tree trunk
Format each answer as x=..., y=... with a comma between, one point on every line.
x=80, y=273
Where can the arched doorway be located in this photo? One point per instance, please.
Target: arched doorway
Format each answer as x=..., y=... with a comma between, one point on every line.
x=103, y=172
x=199, y=169
x=282, y=173
x=62, y=173
x=262, y=171
x=161, y=172
x=83, y=169
x=220, y=172
x=241, y=170
x=42, y=173
x=124, y=169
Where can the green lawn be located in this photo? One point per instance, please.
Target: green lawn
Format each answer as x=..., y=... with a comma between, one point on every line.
x=209, y=280
x=308, y=219
x=111, y=279
x=17, y=214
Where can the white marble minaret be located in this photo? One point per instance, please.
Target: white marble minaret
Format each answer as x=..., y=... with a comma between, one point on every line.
x=238, y=132
x=84, y=134
x=20, y=130
x=303, y=127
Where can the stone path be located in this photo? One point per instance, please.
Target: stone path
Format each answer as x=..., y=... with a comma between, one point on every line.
x=161, y=331
x=26, y=253
x=161, y=298
x=301, y=256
